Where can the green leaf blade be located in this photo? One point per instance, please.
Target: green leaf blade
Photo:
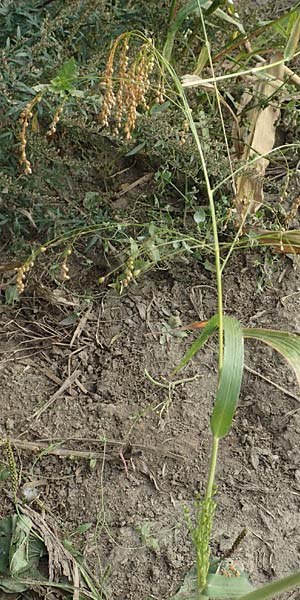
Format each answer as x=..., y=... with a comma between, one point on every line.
x=271, y=590
x=18, y=559
x=233, y=21
x=230, y=379
x=66, y=77
x=182, y=14
x=287, y=344
x=218, y=586
x=293, y=41
x=208, y=330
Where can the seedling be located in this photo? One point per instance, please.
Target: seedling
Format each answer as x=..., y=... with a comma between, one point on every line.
x=147, y=538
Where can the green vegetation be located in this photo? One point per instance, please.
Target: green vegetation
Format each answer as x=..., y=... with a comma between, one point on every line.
x=197, y=103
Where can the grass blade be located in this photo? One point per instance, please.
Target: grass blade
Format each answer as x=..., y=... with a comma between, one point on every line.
x=271, y=590
x=209, y=329
x=293, y=41
x=188, y=9
x=225, y=17
x=230, y=378
x=202, y=61
x=287, y=344
x=181, y=16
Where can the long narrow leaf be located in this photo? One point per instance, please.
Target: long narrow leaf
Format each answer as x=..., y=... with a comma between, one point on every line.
x=230, y=379
x=181, y=16
x=225, y=17
x=209, y=329
x=293, y=41
x=188, y=9
x=287, y=344
x=271, y=590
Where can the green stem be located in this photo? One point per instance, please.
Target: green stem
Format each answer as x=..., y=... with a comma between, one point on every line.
x=212, y=468
x=188, y=114
x=172, y=11
x=210, y=196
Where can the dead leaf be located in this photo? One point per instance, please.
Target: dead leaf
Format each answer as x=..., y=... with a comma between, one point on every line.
x=81, y=325
x=283, y=242
x=139, y=463
x=28, y=215
x=55, y=297
x=61, y=562
x=259, y=142
x=127, y=187
x=195, y=81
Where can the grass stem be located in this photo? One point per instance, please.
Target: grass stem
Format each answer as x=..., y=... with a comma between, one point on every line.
x=212, y=468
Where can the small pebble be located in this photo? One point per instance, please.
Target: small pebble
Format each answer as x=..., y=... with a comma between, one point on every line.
x=10, y=424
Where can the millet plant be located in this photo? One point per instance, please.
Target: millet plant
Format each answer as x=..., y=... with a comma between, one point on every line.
x=211, y=577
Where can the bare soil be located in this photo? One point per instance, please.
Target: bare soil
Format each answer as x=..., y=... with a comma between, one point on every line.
x=136, y=513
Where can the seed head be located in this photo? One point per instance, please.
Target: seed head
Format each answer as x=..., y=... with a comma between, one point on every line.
x=133, y=87
x=25, y=117
x=21, y=276
x=52, y=127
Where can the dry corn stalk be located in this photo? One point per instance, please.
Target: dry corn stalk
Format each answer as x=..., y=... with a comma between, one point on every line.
x=259, y=142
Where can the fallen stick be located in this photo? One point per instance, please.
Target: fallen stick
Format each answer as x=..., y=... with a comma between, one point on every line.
x=55, y=449
x=71, y=379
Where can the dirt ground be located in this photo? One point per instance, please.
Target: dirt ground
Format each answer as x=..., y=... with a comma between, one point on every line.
x=137, y=526
x=151, y=438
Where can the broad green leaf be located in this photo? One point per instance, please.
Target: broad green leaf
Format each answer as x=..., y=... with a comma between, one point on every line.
x=271, y=590
x=287, y=344
x=41, y=87
x=66, y=77
x=218, y=586
x=69, y=320
x=9, y=585
x=5, y=537
x=293, y=41
x=18, y=554
x=11, y=295
x=36, y=550
x=230, y=379
x=208, y=330
x=153, y=251
x=82, y=528
x=77, y=93
x=134, y=249
x=4, y=474
x=209, y=266
x=159, y=108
